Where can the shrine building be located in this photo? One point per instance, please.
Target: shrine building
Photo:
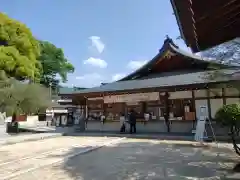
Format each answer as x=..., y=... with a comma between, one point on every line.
x=173, y=81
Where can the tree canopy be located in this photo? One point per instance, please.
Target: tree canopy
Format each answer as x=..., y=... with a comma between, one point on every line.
x=54, y=64
x=22, y=98
x=23, y=57
x=229, y=116
x=18, y=50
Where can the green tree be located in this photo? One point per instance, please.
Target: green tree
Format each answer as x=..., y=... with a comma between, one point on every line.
x=22, y=98
x=229, y=116
x=54, y=64
x=18, y=50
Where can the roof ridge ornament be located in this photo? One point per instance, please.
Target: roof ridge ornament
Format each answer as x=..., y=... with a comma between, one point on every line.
x=168, y=55
x=169, y=40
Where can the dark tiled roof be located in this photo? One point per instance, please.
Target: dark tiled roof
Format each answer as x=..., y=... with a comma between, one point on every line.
x=170, y=46
x=165, y=81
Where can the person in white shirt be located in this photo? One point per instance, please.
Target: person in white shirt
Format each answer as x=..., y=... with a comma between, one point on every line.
x=146, y=117
x=102, y=119
x=122, y=123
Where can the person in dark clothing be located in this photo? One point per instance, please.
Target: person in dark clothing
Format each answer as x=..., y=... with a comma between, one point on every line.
x=132, y=121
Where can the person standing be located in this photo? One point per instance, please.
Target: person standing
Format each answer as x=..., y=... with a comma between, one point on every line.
x=146, y=117
x=122, y=123
x=102, y=119
x=132, y=121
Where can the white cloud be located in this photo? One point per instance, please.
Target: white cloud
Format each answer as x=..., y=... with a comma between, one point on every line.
x=136, y=64
x=90, y=75
x=89, y=80
x=118, y=76
x=97, y=44
x=96, y=62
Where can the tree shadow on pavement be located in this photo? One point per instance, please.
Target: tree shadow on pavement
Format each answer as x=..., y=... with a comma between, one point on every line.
x=149, y=159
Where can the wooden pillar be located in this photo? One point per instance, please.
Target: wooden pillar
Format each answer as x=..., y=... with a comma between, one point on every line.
x=166, y=111
x=82, y=113
x=159, y=106
x=86, y=108
x=209, y=104
x=123, y=107
x=224, y=96
x=102, y=105
x=194, y=108
x=144, y=107
x=105, y=109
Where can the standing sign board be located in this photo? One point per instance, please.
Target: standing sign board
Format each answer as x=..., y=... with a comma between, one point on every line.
x=200, y=128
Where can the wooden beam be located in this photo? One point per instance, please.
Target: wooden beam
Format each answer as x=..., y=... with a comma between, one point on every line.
x=204, y=18
x=209, y=104
x=218, y=37
x=217, y=11
x=217, y=23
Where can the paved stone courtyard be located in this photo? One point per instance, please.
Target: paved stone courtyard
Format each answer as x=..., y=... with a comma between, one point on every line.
x=128, y=159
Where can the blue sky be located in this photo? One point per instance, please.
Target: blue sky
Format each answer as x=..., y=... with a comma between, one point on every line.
x=103, y=39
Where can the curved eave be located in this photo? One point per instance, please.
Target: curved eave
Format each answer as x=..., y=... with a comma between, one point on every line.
x=170, y=46
x=149, y=64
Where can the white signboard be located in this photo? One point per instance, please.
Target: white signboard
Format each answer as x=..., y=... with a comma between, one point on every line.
x=153, y=96
x=200, y=128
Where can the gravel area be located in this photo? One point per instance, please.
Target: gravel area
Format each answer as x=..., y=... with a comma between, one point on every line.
x=136, y=159
x=26, y=157
x=21, y=150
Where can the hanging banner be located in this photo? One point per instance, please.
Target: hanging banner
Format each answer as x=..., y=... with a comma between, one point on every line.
x=128, y=98
x=95, y=98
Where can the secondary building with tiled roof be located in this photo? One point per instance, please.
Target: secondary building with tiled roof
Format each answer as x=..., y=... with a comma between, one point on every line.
x=172, y=88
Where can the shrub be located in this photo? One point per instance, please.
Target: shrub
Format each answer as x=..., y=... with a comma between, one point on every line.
x=229, y=115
